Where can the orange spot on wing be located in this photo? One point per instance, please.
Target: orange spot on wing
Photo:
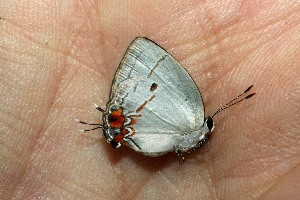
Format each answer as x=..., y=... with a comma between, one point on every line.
x=133, y=121
x=124, y=131
x=144, y=104
x=141, y=107
x=118, y=138
x=116, y=119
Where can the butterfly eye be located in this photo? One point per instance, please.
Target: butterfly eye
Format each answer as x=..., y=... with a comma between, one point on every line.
x=210, y=124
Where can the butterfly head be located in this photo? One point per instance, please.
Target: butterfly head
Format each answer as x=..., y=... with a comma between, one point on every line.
x=209, y=124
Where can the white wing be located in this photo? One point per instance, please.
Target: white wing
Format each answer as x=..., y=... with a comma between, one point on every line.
x=151, y=83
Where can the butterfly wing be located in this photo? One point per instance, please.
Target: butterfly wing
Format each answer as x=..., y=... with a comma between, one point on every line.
x=151, y=85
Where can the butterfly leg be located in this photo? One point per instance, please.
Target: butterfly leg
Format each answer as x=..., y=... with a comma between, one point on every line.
x=85, y=130
x=179, y=155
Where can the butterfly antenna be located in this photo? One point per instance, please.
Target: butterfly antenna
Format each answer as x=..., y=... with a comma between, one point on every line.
x=82, y=122
x=233, y=101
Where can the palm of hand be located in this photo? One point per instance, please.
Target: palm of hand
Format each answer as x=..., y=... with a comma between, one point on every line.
x=56, y=64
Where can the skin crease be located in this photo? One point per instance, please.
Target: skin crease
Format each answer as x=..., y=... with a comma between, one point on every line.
x=59, y=58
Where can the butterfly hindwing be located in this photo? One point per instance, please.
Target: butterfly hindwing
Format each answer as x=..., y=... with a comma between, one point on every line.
x=151, y=85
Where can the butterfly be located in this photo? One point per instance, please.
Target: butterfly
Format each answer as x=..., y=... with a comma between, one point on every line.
x=155, y=106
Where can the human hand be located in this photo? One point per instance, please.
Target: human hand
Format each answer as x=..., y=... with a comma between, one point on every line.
x=59, y=58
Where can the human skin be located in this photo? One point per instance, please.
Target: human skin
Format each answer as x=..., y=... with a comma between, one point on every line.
x=58, y=59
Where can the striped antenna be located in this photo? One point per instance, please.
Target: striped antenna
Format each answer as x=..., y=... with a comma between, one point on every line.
x=235, y=100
